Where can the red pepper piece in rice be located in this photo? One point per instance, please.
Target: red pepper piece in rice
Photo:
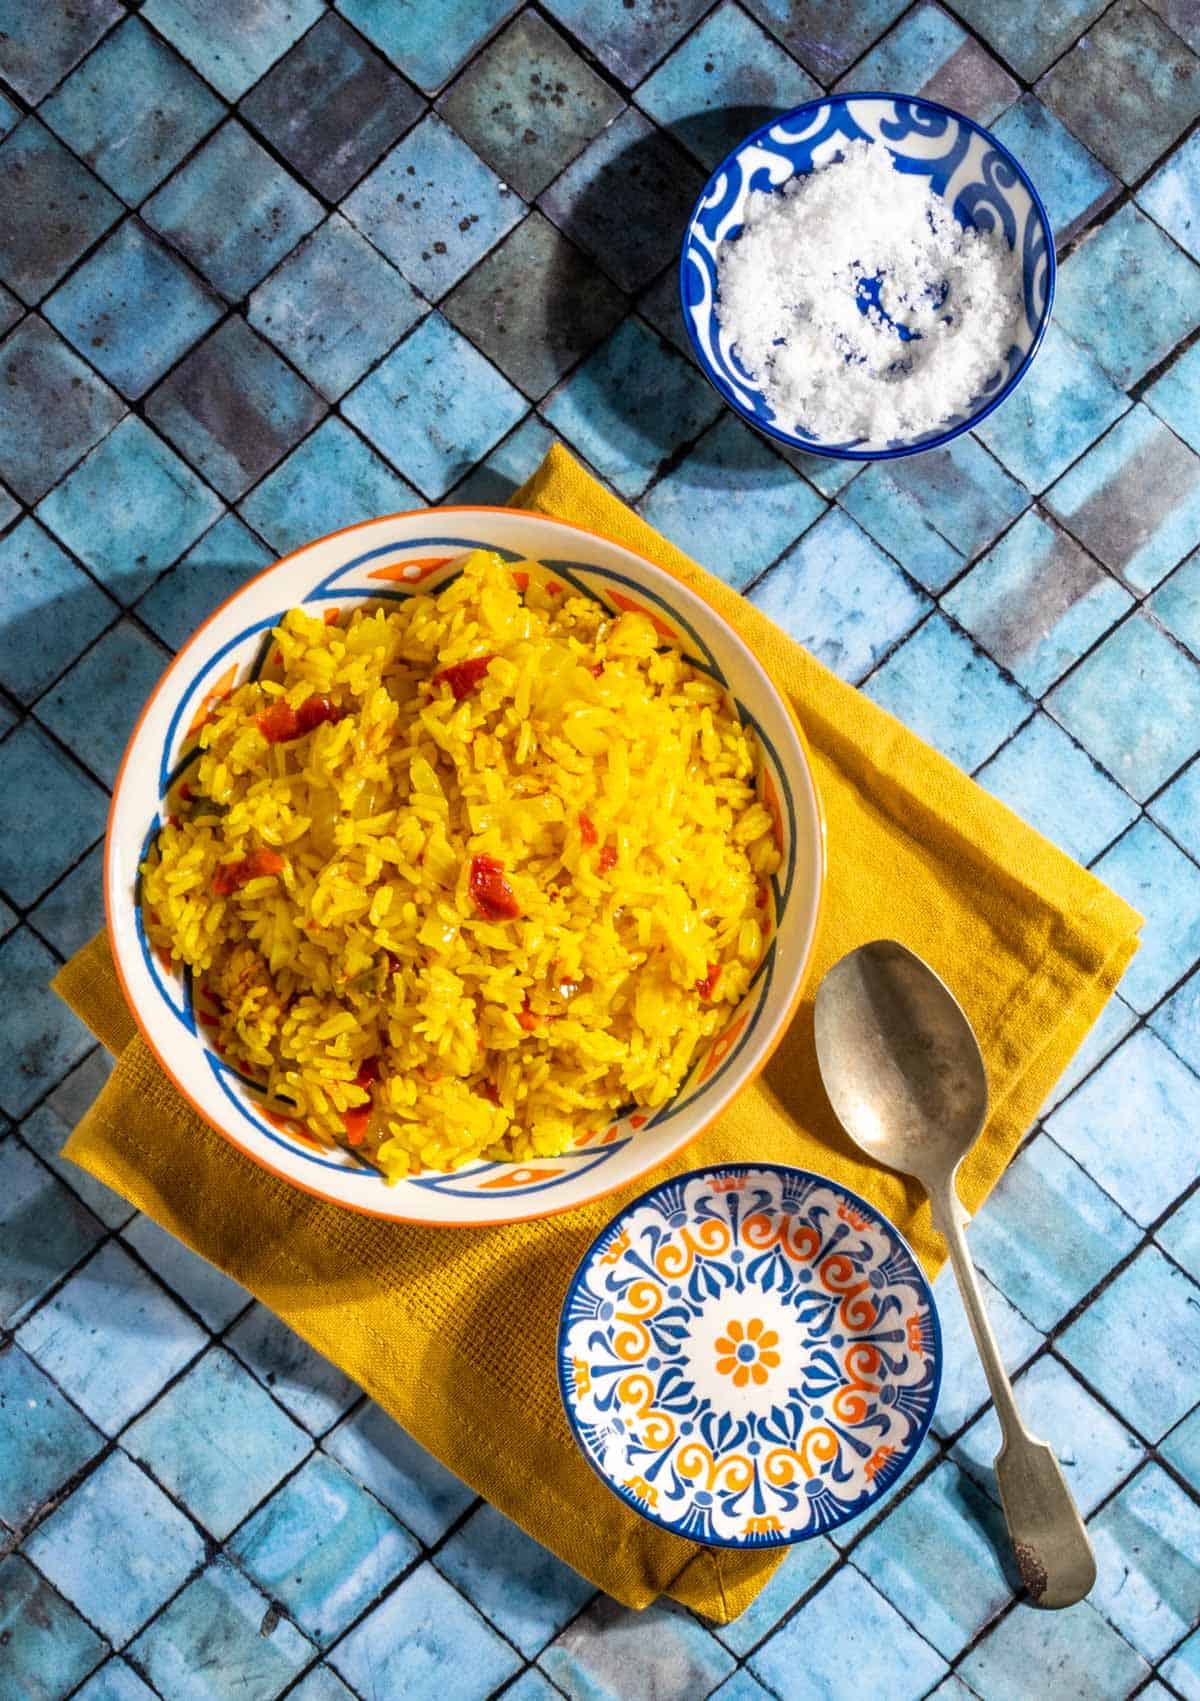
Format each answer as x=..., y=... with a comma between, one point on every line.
x=490, y=891
x=464, y=676
x=228, y=877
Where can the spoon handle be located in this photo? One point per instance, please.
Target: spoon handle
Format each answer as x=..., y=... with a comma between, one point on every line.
x=1051, y=1546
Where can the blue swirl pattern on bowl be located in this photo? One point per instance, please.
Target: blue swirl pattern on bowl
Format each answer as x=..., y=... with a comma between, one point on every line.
x=986, y=189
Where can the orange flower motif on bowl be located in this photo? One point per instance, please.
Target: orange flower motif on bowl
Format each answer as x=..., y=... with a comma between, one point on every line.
x=746, y=1351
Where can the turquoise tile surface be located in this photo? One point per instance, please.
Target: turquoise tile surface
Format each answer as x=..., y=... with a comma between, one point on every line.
x=334, y=258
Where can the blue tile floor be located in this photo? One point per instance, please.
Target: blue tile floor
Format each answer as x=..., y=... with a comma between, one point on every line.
x=261, y=280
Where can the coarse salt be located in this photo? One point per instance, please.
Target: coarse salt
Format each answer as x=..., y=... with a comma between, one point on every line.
x=860, y=307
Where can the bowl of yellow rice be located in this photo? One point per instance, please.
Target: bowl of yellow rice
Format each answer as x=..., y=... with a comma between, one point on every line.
x=463, y=866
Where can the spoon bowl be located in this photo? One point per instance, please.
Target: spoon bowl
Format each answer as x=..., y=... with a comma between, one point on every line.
x=900, y=1061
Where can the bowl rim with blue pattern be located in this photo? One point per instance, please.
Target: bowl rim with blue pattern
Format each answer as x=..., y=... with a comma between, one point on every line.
x=673, y=1380
x=386, y=559
x=695, y=264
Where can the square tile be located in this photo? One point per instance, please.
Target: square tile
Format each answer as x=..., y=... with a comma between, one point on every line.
x=1127, y=89
x=132, y=145
x=232, y=211
x=840, y=596
x=1095, y=1450
x=632, y=405
x=148, y=1546
x=53, y=812
x=321, y=1684
x=111, y=1338
x=184, y=1439
x=324, y=1547
x=1183, y=1668
x=408, y=1480
x=215, y=1297
x=848, y=1624
x=40, y=1038
x=1134, y=499
x=52, y=610
x=72, y=912
x=964, y=1388
x=827, y=37
x=1148, y=1316
x=611, y=1652
x=1180, y=16
x=414, y=1637
x=1060, y=408
x=93, y=708
x=732, y=503
x=1177, y=604
x=1178, y=810
x=218, y=1637
x=1059, y=789
x=54, y=209
x=115, y=1681
x=1037, y=602
x=48, y=1127
x=313, y=1390
x=1147, y=1545
x=1163, y=885
x=56, y=409
x=335, y=306
x=331, y=106
x=43, y=1439
x=1172, y=195
x=803, y=1567
x=39, y=46
x=331, y=480
x=509, y=464
x=935, y=1557
x=1032, y=1652
x=48, y=1649
x=212, y=570
x=1049, y=1234
x=626, y=199
x=1134, y=704
x=931, y=54
x=535, y=305
x=428, y=43
x=47, y=1231
x=528, y=104
x=1074, y=186
x=1128, y=259
x=627, y=39
x=433, y=207
x=434, y=406
x=133, y=308
x=1030, y=37
x=1178, y=1023
x=724, y=80
x=130, y=509
x=1173, y=396
x=524, y=1590
x=915, y=506
x=253, y=35
x=950, y=693
x=233, y=408
x=1182, y=1448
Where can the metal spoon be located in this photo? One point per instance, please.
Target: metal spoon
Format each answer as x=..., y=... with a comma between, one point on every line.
x=905, y=1076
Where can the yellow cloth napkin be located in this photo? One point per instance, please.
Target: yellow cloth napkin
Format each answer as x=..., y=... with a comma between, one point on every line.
x=453, y=1331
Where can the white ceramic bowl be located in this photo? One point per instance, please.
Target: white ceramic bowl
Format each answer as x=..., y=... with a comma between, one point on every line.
x=384, y=559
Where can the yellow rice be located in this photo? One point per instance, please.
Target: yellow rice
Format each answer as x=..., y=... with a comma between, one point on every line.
x=494, y=1038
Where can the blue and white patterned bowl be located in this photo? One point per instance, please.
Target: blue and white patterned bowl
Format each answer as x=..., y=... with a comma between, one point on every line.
x=383, y=561
x=749, y=1356
x=985, y=186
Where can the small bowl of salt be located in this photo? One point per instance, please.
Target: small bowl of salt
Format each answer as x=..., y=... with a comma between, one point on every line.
x=867, y=276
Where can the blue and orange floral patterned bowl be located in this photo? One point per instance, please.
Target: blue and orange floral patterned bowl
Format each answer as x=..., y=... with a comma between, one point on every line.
x=384, y=560
x=984, y=185
x=749, y=1356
